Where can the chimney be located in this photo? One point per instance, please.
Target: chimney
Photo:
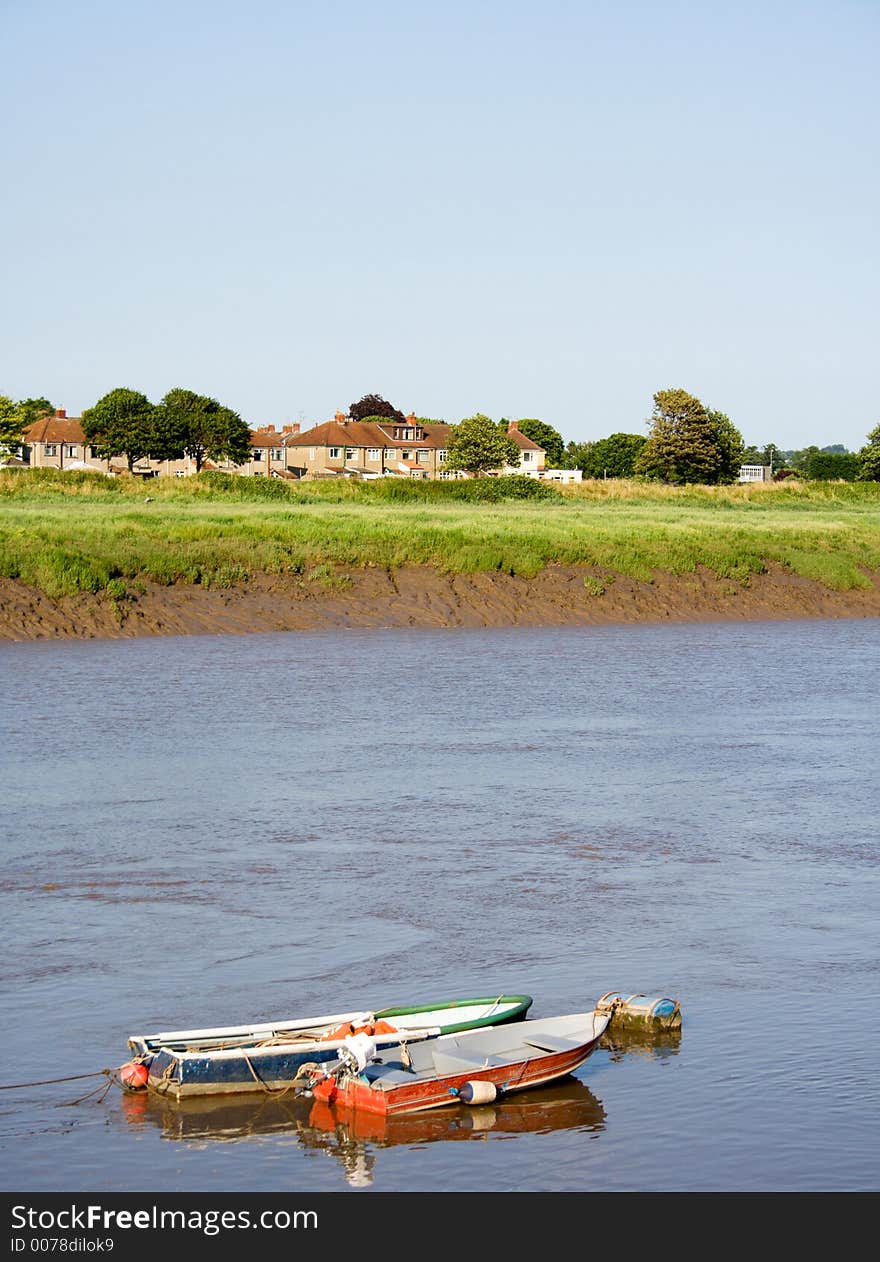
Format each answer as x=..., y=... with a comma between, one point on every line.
x=411, y=419
x=294, y=428
x=511, y=426
x=60, y=413
x=341, y=418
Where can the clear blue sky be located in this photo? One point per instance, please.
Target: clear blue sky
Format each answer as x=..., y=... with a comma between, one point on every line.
x=527, y=209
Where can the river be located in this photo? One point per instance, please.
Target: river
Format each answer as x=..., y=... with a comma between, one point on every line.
x=216, y=829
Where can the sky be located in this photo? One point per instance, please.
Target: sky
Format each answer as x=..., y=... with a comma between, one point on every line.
x=546, y=209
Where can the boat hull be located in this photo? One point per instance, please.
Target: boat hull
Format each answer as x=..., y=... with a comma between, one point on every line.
x=531, y=1068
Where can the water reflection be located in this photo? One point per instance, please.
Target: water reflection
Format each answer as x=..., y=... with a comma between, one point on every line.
x=656, y=1044
x=354, y=1138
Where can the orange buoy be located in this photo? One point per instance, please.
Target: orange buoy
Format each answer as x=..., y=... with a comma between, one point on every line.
x=134, y=1076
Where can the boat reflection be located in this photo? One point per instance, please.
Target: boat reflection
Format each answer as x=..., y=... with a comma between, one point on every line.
x=658, y=1044
x=354, y=1138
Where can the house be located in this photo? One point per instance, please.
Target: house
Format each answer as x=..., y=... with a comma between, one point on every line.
x=58, y=442
x=268, y=457
x=369, y=449
x=531, y=456
x=389, y=448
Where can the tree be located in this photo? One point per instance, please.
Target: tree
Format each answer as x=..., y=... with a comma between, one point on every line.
x=477, y=445
x=545, y=436
x=828, y=466
x=11, y=426
x=800, y=459
x=578, y=456
x=869, y=457
x=688, y=443
x=121, y=424
x=611, y=457
x=200, y=427
x=15, y=418
x=729, y=443
x=769, y=454
x=374, y=405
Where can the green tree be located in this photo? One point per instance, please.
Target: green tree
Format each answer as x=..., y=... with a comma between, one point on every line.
x=15, y=418
x=729, y=443
x=200, y=427
x=11, y=426
x=828, y=466
x=688, y=443
x=121, y=424
x=869, y=457
x=545, y=436
x=373, y=405
x=799, y=460
x=769, y=454
x=612, y=457
x=33, y=410
x=477, y=445
x=578, y=456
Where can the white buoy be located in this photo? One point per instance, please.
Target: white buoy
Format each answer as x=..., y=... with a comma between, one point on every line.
x=477, y=1092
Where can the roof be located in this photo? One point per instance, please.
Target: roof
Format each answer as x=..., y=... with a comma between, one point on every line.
x=364, y=434
x=267, y=438
x=524, y=443
x=335, y=434
x=56, y=429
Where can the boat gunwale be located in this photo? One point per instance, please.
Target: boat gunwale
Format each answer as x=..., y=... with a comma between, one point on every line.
x=509, y=1008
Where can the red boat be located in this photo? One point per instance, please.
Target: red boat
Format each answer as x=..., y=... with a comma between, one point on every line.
x=474, y=1067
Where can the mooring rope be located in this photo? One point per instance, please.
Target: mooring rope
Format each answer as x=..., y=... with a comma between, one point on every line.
x=46, y=1082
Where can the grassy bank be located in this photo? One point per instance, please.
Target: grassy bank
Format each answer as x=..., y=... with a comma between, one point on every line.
x=63, y=533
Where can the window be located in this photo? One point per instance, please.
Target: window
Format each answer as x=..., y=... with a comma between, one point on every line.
x=441, y=457
x=351, y=453
x=257, y=453
x=398, y=433
x=93, y=453
x=391, y=453
x=277, y=453
x=334, y=452
x=51, y=449
x=423, y=456
x=311, y=453
x=70, y=449
x=527, y=456
x=374, y=453
x=406, y=455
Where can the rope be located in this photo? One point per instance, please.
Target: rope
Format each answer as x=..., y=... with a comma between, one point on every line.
x=303, y=1071
x=45, y=1082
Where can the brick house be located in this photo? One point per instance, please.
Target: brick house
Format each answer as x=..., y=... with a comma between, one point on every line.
x=372, y=449
x=58, y=442
x=268, y=457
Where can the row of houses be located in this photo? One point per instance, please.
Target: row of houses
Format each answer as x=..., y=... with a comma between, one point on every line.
x=338, y=448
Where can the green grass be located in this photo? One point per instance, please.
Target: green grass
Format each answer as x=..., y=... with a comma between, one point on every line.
x=64, y=533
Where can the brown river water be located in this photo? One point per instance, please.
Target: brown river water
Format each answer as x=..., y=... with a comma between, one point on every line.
x=219, y=829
